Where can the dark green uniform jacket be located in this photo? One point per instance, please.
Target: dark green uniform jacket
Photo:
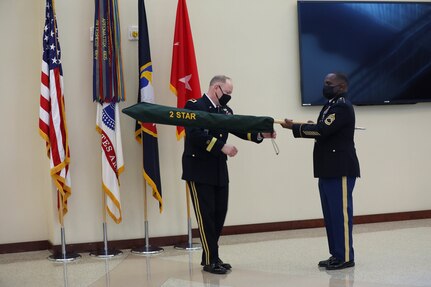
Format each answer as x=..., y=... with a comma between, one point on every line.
x=203, y=161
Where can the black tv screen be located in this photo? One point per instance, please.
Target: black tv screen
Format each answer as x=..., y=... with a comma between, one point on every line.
x=383, y=47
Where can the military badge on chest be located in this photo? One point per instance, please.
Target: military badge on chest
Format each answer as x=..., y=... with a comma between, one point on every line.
x=330, y=119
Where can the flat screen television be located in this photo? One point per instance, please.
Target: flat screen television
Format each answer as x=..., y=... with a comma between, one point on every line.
x=383, y=47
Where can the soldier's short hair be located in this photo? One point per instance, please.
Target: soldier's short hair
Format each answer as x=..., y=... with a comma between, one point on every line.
x=219, y=79
x=342, y=77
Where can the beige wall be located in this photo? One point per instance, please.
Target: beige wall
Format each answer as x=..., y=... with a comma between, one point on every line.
x=254, y=42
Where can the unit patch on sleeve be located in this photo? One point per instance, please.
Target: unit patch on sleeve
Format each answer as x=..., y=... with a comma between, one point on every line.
x=330, y=119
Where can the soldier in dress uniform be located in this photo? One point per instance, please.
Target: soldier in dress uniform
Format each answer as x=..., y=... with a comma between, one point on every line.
x=336, y=165
x=205, y=170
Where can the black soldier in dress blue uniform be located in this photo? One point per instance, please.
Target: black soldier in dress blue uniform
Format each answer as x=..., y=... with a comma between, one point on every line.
x=337, y=167
x=205, y=170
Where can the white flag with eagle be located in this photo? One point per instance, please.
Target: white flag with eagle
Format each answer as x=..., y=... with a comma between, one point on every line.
x=108, y=125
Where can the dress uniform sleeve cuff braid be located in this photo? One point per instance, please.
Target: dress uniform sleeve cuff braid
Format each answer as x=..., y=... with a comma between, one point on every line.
x=297, y=130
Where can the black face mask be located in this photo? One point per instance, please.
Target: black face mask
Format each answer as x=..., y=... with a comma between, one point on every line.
x=224, y=99
x=329, y=92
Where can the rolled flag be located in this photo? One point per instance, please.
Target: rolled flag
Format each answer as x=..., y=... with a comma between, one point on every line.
x=153, y=113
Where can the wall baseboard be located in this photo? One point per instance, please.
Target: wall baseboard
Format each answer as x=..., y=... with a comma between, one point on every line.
x=25, y=246
x=227, y=230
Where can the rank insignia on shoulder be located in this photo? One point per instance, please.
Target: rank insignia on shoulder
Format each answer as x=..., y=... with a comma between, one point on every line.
x=341, y=100
x=192, y=100
x=330, y=119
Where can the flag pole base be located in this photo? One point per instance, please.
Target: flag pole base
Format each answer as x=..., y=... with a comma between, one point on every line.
x=147, y=250
x=68, y=257
x=189, y=246
x=103, y=254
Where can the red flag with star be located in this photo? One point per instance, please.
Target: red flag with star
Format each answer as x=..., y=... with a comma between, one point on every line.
x=184, y=73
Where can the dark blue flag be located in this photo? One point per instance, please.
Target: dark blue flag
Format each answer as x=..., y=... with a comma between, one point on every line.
x=146, y=133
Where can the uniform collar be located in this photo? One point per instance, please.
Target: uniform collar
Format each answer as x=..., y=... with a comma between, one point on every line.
x=214, y=105
x=335, y=99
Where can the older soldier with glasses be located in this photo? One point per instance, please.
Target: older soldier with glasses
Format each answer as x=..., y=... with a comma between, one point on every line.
x=205, y=170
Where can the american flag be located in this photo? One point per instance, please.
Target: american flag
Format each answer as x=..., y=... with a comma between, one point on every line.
x=52, y=114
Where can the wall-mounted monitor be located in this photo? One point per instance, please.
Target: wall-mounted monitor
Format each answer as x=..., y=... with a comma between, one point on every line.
x=383, y=47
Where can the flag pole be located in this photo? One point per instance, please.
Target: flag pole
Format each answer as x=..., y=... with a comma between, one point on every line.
x=65, y=276
x=105, y=230
x=106, y=252
x=147, y=249
x=107, y=273
x=189, y=245
x=63, y=256
x=282, y=122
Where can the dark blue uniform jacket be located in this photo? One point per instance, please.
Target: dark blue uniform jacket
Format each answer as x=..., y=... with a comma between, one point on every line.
x=334, y=152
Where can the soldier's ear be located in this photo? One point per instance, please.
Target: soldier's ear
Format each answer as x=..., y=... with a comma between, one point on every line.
x=343, y=87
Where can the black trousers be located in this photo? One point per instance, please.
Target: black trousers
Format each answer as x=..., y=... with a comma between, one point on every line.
x=210, y=204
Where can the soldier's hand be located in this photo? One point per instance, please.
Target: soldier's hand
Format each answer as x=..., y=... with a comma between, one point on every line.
x=287, y=124
x=229, y=150
x=272, y=135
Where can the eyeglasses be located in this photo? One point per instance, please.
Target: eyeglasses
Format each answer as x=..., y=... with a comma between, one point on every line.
x=223, y=91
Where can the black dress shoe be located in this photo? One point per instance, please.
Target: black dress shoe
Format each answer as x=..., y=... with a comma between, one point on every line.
x=224, y=265
x=221, y=263
x=215, y=269
x=336, y=265
x=326, y=262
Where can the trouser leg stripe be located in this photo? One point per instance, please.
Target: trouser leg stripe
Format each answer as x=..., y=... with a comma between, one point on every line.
x=346, y=220
x=200, y=223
